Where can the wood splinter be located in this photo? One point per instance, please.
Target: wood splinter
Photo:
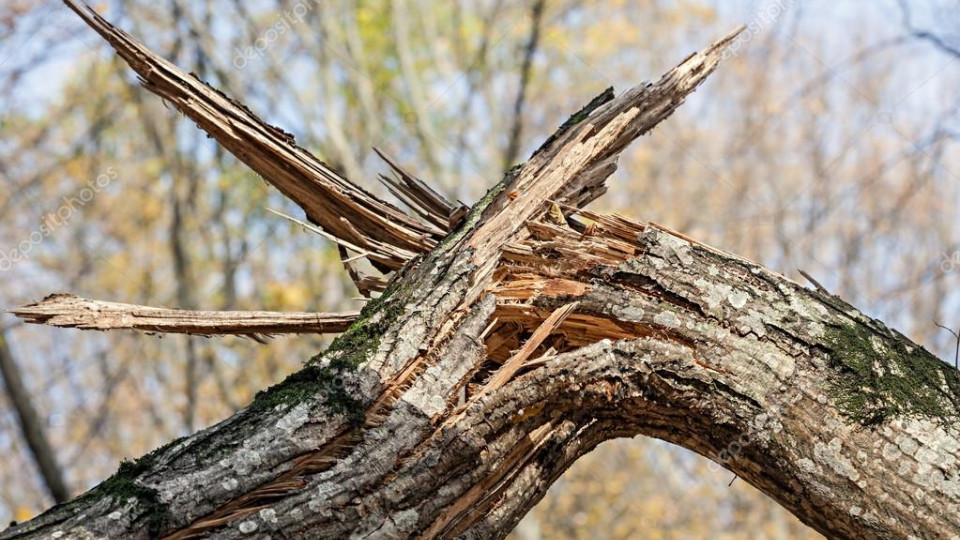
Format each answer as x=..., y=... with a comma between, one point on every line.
x=515, y=362
x=69, y=311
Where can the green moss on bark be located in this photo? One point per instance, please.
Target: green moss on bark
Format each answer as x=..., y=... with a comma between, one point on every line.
x=881, y=375
x=310, y=382
x=324, y=374
x=123, y=488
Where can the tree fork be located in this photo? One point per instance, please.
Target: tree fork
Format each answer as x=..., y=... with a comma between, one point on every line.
x=420, y=420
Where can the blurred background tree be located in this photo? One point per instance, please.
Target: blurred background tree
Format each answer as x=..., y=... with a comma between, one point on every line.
x=823, y=145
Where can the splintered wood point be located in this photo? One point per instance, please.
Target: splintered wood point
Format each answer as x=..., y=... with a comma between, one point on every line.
x=421, y=198
x=578, y=160
x=324, y=195
x=69, y=311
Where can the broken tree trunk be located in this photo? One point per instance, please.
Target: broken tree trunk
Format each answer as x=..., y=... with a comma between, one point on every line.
x=528, y=336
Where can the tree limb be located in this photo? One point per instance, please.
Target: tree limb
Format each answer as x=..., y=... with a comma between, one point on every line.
x=69, y=311
x=563, y=169
x=328, y=199
x=395, y=430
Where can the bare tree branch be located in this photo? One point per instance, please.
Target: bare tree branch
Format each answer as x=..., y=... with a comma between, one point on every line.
x=513, y=146
x=925, y=35
x=813, y=281
x=956, y=335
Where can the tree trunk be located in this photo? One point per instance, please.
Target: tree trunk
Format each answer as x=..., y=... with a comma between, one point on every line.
x=530, y=335
x=30, y=423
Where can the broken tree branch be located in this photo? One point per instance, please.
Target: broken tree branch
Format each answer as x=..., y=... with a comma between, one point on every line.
x=69, y=311
x=573, y=165
x=382, y=436
x=328, y=199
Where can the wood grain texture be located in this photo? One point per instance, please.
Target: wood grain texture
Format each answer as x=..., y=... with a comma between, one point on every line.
x=323, y=194
x=69, y=311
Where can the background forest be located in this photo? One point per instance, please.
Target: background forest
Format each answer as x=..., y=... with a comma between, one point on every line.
x=826, y=143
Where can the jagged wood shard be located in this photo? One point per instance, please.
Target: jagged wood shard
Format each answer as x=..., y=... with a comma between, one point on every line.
x=574, y=165
x=421, y=198
x=324, y=195
x=69, y=311
x=515, y=362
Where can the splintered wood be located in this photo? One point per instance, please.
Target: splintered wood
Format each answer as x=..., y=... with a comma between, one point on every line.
x=547, y=269
x=69, y=311
x=571, y=168
x=325, y=196
x=513, y=364
x=395, y=415
x=422, y=199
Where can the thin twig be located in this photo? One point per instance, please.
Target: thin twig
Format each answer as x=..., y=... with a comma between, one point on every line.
x=956, y=335
x=814, y=282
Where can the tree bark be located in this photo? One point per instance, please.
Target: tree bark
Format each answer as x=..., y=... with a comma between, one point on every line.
x=531, y=334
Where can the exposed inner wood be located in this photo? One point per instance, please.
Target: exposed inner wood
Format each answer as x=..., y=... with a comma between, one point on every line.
x=513, y=364
x=508, y=240
x=324, y=195
x=423, y=199
x=549, y=266
x=523, y=333
x=69, y=311
x=565, y=167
